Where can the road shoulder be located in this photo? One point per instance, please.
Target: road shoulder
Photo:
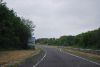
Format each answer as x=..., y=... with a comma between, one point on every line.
x=87, y=56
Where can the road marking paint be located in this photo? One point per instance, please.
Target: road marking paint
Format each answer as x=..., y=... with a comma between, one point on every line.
x=83, y=58
x=40, y=60
x=60, y=49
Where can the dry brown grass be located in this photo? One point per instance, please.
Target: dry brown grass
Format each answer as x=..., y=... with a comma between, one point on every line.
x=7, y=57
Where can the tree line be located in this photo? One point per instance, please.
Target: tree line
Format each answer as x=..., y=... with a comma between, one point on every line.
x=89, y=40
x=14, y=30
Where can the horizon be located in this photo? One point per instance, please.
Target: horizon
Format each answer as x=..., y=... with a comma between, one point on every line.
x=71, y=35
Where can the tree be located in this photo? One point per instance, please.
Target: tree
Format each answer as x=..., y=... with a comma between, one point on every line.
x=14, y=32
x=90, y=39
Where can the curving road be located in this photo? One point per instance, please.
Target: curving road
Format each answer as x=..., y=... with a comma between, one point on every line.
x=56, y=58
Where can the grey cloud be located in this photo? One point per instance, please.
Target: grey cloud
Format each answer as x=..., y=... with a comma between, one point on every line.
x=54, y=18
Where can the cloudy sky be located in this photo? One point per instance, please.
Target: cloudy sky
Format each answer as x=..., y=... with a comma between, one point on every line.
x=54, y=18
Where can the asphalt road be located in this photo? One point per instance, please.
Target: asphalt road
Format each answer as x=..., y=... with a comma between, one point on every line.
x=56, y=58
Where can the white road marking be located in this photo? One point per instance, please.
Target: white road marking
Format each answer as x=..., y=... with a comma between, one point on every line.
x=60, y=49
x=83, y=58
x=40, y=60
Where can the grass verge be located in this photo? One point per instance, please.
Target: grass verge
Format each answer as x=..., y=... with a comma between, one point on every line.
x=88, y=56
x=8, y=58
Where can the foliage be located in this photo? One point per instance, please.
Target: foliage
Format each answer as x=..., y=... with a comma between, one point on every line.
x=42, y=41
x=14, y=31
x=90, y=39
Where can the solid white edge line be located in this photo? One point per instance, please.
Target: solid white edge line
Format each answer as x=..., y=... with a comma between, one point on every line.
x=40, y=60
x=83, y=58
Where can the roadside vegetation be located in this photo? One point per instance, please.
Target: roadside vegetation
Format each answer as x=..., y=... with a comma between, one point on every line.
x=16, y=57
x=15, y=35
x=15, y=31
x=87, y=55
x=87, y=40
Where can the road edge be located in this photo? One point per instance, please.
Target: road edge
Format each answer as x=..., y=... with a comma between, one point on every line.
x=81, y=57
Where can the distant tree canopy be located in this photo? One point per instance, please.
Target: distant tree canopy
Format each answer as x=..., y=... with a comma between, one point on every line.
x=42, y=41
x=14, y=31
x=90, y=39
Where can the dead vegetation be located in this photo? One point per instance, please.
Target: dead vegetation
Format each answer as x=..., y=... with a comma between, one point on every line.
x=8, y=57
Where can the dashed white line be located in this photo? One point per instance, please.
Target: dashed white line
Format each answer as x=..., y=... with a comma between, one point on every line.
x=40, y=60
x=60, y=49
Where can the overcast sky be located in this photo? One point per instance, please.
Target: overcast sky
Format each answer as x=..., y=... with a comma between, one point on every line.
x=54, y=18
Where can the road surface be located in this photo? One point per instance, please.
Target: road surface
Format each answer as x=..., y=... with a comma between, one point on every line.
x=57, y=58
x=54, y=57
